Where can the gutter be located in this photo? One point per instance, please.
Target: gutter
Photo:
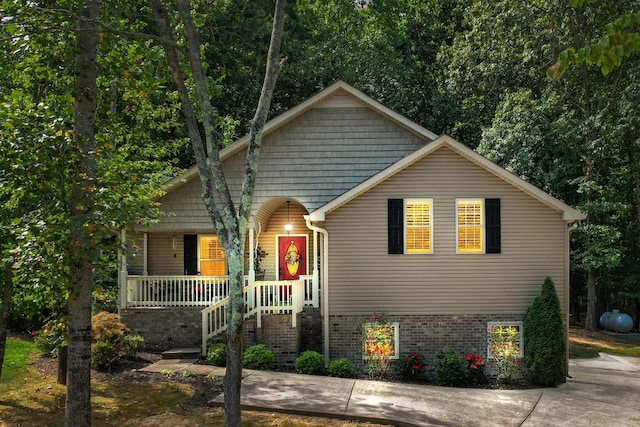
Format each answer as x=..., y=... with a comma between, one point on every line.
x=325, y=287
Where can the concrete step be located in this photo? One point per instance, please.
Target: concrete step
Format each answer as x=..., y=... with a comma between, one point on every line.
x=181, y=353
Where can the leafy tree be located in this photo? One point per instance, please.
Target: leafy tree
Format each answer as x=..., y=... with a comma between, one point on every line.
x=620, y=41
x=544, y=338
x=229, y=221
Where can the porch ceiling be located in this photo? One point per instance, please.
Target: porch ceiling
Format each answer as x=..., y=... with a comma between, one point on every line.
x=261, y=218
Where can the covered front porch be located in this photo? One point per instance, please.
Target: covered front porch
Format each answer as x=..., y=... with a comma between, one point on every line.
x=284, y=278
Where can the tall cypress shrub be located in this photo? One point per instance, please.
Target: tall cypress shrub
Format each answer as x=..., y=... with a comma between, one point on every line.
x=544, y=339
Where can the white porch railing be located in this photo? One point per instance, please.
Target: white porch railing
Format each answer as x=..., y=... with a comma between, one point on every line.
x=175, y=291
x=264, y=297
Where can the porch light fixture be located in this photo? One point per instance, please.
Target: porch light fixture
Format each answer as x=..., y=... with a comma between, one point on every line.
x=288, y=227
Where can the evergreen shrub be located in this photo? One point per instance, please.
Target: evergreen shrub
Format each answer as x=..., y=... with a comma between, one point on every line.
x=544, y=338
x=342, y=368
x=451, y=369
x=310, y=362
x=258, y=357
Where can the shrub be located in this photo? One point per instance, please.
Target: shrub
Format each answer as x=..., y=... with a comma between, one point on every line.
x=52, y=336
x=475, y=368
x=451, y=370
x=132, y=345
x=411, y=366
x=107, y=327
x=217, y=354
x=310, y=362
x=258, y=357
x=103, y=355
x=342, y=368
x=544, y=341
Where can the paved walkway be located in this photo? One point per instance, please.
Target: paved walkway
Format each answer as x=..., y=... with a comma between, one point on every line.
x=601, y=392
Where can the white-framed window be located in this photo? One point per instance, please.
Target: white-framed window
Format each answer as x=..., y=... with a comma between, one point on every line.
x=211, y=256
x=418, y=224
x=504, y=339
x=381, y=341
x=470, y=226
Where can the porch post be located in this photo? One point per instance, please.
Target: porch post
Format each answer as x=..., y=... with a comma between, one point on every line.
x=145, y=264
x=122, y=276
x=252, y=251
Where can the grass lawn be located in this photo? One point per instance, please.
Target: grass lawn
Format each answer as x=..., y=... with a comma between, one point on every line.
x=584, y=344
x=29, y=394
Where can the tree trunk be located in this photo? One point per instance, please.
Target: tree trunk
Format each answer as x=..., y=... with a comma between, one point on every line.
x=63, y=362
x=230, y=223
x=78, y=402
x=233, y=373
x=591, y=320
x=7, y=293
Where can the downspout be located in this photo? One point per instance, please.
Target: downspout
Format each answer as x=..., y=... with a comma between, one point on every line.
x=325, y=287
x=571, y=227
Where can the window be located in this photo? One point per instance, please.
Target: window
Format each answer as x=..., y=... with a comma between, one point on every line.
x=410, y=226
x=212, y=258
x=470, y=221
x=504, y=340
x=478, y=226
x=381, y=341
x=419, y=226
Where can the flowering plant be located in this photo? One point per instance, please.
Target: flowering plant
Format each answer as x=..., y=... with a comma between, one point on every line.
x=412, y=366
x=504, y=347
x=378, y=344
x=475, y=368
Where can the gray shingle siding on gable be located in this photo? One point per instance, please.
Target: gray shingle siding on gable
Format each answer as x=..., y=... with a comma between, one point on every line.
x=312, y=159
x=327, y=152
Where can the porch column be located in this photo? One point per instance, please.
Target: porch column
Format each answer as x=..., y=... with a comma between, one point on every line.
x=122, y=276
x=145, y=264
x=252, y=251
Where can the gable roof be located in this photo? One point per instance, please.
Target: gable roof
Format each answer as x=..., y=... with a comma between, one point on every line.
x=569, y=214
x=276, y=123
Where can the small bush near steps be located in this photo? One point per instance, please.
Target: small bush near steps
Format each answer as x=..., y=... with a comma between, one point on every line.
x=258, y=357
x=310, y=362
x=217, y=355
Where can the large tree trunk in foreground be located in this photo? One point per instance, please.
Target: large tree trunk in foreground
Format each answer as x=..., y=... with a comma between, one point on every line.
x=230, y=223
x=78, y=402
x=7, y=287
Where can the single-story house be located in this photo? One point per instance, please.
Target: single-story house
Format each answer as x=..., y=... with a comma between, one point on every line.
x=357, y=210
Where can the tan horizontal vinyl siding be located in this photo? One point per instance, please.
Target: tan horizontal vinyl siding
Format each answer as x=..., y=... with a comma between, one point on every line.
x=365, y=278
x=163, y=259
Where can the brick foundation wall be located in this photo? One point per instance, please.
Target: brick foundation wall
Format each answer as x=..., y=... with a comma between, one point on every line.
x=425, y=334
x=280, y=337
x=165, y=328
x=311, y=334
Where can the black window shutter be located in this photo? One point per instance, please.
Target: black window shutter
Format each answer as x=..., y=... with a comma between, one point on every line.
x=190, y=254
x=396, y=226
x=492, y=218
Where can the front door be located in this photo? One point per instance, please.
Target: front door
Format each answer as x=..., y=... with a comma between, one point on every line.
x=292, y=257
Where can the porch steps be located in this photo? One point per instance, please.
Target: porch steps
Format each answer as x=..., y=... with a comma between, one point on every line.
x=181, y=353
